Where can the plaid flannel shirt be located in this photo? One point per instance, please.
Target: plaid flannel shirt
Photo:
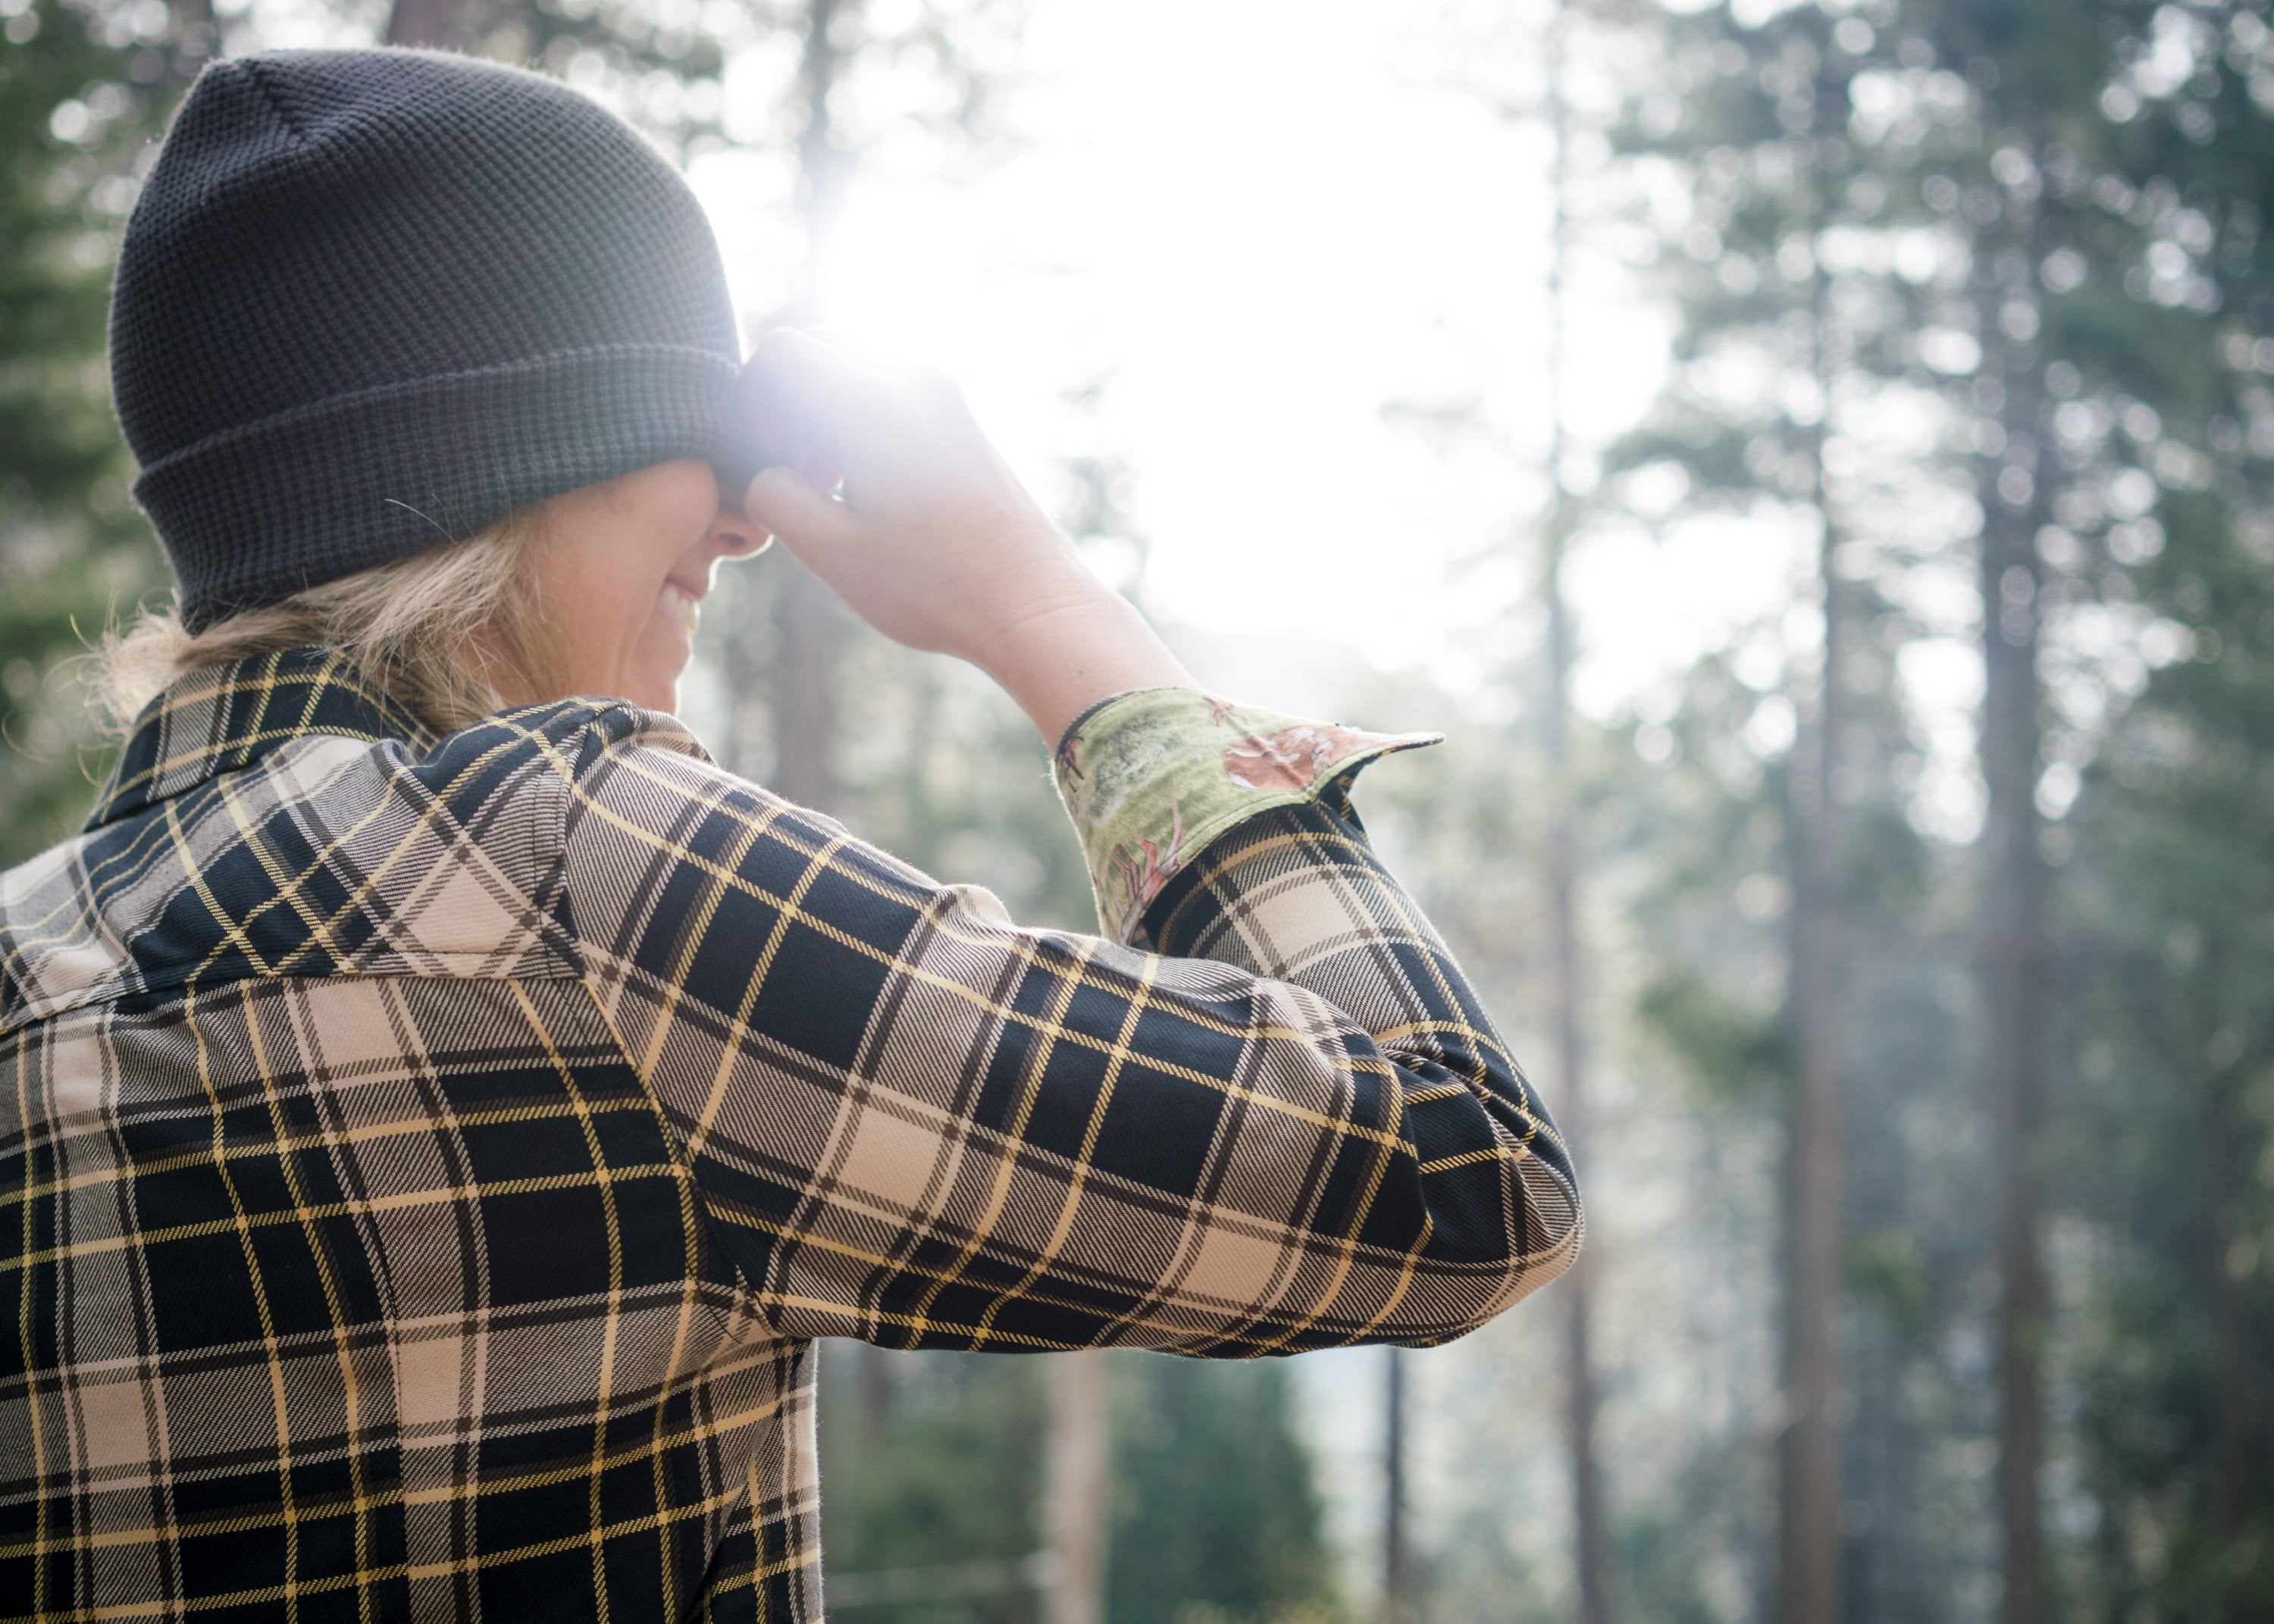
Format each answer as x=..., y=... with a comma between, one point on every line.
x=425, y=1163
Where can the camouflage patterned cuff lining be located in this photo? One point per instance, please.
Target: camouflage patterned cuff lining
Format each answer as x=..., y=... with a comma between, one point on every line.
x=1151, y=776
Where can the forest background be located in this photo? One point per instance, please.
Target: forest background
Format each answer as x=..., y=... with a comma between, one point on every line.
x=1812, y=459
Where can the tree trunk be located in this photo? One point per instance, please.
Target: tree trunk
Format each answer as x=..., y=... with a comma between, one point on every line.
x=1810, y=1494
x=1811, y=1490
x=2241, y=1442
x=873, y=1383
x=809, y=626
x=198, y=38
x=1397, y=1588
x=1580, y=1399
x=809, y=639
x=2010, y=930
x=1566, y=998
x=1078, y=1479
x=421, y=22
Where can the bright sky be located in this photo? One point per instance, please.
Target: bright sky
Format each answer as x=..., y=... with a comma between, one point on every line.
x=1261, y=226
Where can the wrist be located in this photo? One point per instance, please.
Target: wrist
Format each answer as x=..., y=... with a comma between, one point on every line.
x=1075, y=648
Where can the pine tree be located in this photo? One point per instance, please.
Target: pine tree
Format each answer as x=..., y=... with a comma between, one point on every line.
x=73, y=107
x=1763, y=131
x=2166, y=400
x=1217, y=1520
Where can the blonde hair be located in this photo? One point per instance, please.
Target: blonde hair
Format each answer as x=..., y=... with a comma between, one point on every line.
x=426, y=630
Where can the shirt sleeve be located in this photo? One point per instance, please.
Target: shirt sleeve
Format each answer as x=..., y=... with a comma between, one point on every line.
x=910, y=1120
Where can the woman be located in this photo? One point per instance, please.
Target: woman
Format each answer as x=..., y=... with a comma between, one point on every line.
x=444, y=1112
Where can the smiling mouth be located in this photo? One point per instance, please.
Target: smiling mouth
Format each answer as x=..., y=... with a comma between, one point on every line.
x=681, y=605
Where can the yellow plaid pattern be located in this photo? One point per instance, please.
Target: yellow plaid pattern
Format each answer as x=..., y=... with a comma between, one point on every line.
x=425, y=1163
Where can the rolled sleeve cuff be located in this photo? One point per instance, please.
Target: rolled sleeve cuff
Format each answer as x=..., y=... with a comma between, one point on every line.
x=1152, y=776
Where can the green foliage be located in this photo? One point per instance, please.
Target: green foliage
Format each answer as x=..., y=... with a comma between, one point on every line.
x=2176, y=1115
x=56, y=437
x=72, y=546
x=2170, y=889
x=1736, y=1056
x=934, y=1462
x=1887, y=871
x=1886, y=1270
x=1216, y=1519
x=1681, y=1549
x=947, y=1472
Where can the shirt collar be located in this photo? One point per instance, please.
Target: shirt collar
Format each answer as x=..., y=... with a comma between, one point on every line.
x=220, y=717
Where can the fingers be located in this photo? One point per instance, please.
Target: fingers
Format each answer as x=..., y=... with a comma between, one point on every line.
x=805, y=395
x=824, y=472
x=810, y=521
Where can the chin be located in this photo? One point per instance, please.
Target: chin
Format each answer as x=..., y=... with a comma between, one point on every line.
x=658, y=690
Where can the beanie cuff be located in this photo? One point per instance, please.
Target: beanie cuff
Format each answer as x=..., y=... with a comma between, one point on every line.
x=262, y=510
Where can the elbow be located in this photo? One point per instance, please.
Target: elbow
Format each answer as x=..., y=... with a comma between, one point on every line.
x=1552, y=1225
x=1482, y=1258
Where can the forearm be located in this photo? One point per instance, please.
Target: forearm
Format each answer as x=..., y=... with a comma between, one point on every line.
x=1067, y=654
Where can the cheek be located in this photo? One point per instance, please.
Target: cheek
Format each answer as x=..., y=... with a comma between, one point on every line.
x=607, y=635
x=660, y=651
x=614, y=598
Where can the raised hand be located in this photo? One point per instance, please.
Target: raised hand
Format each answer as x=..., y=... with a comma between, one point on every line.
x=930, y=537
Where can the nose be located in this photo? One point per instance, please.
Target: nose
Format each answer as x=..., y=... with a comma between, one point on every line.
x=734, y=537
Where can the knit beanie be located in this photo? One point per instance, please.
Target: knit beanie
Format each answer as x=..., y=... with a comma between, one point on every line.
x=372, y=300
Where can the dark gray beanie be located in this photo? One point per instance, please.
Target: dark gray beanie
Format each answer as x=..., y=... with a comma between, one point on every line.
x=371, y=300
